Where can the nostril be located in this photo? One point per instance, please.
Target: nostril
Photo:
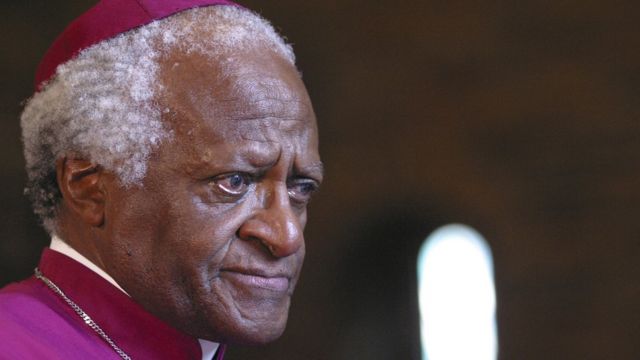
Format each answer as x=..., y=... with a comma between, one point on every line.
x=271, y=248
x=276, y=226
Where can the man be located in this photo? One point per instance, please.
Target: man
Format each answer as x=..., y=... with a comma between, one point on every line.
x=171, y=150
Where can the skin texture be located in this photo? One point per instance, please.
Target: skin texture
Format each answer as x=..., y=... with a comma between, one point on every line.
x=212, y=242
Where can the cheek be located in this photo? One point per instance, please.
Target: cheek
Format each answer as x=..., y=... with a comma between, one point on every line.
x=300, y=256
x=202, y=233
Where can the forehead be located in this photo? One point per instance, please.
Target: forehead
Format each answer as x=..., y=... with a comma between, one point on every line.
x=250, y=96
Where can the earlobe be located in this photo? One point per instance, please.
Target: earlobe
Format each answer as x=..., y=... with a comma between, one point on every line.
x=80, y=182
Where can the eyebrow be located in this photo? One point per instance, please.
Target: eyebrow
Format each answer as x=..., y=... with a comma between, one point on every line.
x=315, y=170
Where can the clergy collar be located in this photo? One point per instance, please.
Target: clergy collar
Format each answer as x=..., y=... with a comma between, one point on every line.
x=60, y=246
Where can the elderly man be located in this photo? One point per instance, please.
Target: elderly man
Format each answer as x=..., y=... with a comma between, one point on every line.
x=171, y=150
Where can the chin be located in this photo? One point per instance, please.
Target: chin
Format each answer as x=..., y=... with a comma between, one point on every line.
x=259, y=339
x=253, y=335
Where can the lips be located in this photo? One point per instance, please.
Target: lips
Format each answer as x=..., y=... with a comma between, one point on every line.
x=258, y=280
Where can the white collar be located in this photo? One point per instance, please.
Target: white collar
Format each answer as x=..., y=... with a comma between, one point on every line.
x=208, y=347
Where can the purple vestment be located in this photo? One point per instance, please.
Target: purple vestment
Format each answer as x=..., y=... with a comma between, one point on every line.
x=36, y=323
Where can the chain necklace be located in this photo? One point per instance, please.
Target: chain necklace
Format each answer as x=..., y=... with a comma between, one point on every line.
x=83, y=315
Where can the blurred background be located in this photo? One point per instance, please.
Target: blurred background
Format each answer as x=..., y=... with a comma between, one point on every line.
x=518, y=118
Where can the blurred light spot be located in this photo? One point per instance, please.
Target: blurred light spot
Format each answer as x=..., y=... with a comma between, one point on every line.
x=457, y=296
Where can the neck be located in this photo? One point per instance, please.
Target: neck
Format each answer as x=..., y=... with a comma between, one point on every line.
x=59, y=245
x=209, y=348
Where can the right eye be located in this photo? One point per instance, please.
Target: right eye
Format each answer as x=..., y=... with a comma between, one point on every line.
x=235, y=184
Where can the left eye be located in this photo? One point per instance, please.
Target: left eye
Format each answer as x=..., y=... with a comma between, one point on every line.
x=233, y=184
x=300, y=191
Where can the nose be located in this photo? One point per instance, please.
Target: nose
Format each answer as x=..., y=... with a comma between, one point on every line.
x=275, y=225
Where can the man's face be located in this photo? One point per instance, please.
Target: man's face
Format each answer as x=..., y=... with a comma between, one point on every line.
x=212, y=243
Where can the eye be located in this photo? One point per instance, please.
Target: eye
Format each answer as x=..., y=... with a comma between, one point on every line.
x=235, y=184
x=301, y=190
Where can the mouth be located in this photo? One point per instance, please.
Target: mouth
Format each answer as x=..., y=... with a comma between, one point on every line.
x=257, y=280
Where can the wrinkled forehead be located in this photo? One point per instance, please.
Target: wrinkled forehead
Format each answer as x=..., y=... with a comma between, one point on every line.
x=246, y=93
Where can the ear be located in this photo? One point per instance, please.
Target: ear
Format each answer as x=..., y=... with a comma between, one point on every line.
x=80, y=183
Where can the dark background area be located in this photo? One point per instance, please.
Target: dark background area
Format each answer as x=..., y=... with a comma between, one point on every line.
x=519, y=118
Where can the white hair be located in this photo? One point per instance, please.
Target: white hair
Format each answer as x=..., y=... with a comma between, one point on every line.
x=101, y=105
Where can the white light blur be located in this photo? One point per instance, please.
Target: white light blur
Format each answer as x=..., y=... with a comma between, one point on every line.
x=457, y=296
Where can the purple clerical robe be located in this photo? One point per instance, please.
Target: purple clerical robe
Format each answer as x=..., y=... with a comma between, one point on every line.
x=36, y=323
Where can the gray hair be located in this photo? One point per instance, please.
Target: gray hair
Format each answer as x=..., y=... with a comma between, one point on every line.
x=101, y=105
